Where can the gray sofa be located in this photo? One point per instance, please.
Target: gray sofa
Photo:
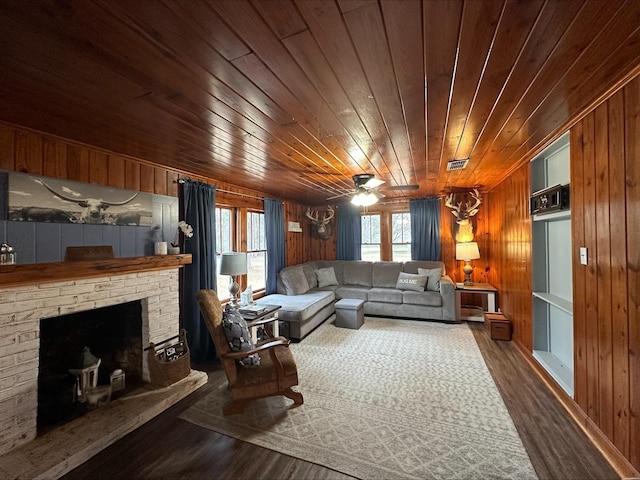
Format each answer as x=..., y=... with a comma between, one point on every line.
x=387, y=288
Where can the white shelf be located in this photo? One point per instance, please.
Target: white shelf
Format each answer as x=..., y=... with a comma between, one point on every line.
x=559, y=215
x=558, y=370
x=564, y=305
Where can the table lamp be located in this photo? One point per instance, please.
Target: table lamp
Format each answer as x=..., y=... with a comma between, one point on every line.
x=467, y=251
x=233, y=264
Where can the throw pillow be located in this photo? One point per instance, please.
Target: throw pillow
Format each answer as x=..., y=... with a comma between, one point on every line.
x=295, y=281
x=326, y=277
x=411, y=281
x=434, y=275
x=238, y=335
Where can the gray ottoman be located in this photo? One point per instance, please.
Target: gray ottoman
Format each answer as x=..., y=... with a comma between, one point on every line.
x=349, y=313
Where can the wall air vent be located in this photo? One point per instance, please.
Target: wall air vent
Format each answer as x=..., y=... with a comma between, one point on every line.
x=457, y=164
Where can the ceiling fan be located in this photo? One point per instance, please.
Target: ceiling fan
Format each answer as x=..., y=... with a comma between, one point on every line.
x=366, y=192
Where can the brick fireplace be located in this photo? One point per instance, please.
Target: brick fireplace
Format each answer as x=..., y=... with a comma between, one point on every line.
x=152, y=281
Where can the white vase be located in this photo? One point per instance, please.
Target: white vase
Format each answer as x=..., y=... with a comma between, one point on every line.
x=160, y=248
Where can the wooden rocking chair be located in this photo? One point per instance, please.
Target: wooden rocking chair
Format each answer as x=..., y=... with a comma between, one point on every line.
x=275, y=375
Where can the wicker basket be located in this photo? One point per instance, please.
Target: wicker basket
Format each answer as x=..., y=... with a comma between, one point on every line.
x=163, y=372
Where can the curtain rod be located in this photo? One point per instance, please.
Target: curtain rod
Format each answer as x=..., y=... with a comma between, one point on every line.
x=182, y=180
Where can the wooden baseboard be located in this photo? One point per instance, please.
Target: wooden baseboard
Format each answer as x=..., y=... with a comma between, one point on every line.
x=616, y=459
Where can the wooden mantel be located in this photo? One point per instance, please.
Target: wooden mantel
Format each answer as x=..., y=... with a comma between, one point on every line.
x=13, y=275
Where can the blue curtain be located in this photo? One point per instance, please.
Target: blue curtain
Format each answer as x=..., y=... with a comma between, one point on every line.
x=274, y=230
x=200, y=213
x=349, y=233
x=425, y=228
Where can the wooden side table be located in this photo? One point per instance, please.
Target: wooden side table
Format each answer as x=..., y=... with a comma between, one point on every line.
x=477, y=288
x=262, y=319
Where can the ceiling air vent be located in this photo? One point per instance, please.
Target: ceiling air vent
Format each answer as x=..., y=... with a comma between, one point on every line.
x=457, y=164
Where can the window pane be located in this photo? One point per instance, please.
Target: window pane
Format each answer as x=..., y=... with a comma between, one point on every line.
x=257, y=270
x=401, y=253
x=223, y=244
x=371, y=253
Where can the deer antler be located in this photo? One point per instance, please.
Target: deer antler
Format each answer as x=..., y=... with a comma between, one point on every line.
x=476, y=196
x=449, y=203
x=326, y=218
x=310, y=215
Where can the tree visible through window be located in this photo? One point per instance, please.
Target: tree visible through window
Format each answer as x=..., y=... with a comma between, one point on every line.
x=224, y=243
x=401, y=237
x=370, y=237
x=256, y=251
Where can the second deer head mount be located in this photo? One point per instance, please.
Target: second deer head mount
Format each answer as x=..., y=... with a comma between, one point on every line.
x=324, y=227
x=463, y=228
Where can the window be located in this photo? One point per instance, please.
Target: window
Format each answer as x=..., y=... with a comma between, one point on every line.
x=370, y=237
x=256, y=251
x=224, y=243
x=400, y=237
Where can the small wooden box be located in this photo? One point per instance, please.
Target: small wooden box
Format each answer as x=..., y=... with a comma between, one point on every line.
x=498, y=325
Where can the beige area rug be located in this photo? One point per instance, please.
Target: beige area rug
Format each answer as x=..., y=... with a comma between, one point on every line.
x=394, y=399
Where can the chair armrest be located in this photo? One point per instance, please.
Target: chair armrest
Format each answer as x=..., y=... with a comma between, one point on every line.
x=275, y=342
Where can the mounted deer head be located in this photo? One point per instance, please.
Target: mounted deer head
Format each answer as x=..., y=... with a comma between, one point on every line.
x=463, y=229
x=324, y=227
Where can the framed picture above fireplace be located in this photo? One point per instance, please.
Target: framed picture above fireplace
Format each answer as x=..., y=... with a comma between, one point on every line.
x=35, y=198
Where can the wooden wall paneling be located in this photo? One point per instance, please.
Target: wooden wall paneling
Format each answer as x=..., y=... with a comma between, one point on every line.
x=579, y=276
x=54, y=157
x=132, y=175
x=632, y=179
x=147, y=178
x=28, y=152
x=172, y=184
x=603, y=271
x=591, y=279
x=77, y=163
x=98, y=167
x=294, y=240
x=619, y=324
x=7, y=147
x=160, y=181
x=116, y=171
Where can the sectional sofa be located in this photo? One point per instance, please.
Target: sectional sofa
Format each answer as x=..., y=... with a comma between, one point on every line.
x=414, y=289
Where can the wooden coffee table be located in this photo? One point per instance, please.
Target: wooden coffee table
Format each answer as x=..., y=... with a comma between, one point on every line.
x=263, y=319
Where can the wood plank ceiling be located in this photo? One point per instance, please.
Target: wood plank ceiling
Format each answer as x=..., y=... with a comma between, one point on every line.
x=292, y=98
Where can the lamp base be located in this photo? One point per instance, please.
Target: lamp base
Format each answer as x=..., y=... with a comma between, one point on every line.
x=233, y=292
x=468, y=270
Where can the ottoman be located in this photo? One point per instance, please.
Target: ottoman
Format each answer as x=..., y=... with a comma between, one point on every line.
x=349, y=313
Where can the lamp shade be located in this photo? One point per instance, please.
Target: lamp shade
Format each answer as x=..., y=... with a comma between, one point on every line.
x=467, y=251
x=233, y=263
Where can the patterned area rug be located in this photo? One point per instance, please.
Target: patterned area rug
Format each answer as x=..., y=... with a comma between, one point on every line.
x=394, y=399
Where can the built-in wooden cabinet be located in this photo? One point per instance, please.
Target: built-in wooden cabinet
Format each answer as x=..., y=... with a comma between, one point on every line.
x=552, y=268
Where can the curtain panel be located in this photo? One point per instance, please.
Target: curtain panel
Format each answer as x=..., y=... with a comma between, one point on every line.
x=199, y=212
x=349, y=236
x=425, y=228
x=274, y=231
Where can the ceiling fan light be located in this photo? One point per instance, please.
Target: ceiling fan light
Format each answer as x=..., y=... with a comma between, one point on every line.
x=364, y=199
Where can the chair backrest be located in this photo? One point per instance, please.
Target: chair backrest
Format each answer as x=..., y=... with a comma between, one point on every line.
x=212, y=313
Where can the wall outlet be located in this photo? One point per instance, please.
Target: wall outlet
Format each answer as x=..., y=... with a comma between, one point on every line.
x=583, y=256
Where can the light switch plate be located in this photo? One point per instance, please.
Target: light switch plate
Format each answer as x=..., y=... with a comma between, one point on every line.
x=583, y=256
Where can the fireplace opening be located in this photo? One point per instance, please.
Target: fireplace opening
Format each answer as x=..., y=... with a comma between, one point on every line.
x=113, y=334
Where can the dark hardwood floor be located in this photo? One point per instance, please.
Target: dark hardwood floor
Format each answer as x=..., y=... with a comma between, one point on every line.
x=170, y=448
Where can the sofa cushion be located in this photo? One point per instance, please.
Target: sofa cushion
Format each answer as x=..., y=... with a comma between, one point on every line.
x=412, y=266
x=294, y=280
x=429, y=299
x=352, y=291
x=434, y=274
x=326, y=277
x=357, y=273
x=385, y=274
x=299, y=308
x=410, y=281
x=386, y=295
x=238, y=335
x=309, y=270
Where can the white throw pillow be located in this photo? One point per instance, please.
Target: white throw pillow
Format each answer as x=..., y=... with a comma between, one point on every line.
x=411, y=281
x=326, y=277
x=434, y=275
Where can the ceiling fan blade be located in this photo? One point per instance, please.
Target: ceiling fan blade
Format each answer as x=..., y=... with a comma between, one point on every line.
x=338, y=196
x=373, y=183
x=403, y=187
